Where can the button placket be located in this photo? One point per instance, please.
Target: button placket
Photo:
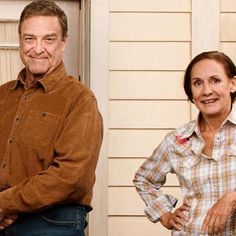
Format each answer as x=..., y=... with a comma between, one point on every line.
x=21, y=107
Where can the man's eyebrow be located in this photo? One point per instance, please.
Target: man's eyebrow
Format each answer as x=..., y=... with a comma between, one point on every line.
x=47, y=35
x=26, y=34
x=50, y=35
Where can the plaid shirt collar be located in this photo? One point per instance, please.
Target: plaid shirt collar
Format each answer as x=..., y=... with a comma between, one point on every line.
x=193, y=126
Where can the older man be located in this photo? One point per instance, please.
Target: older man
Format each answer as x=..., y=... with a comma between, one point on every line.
x=50, y=134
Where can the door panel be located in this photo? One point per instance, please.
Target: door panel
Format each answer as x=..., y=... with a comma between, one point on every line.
x=76, y=56
x=10, y=63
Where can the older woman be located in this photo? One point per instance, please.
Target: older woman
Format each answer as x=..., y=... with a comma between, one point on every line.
x=201, y=153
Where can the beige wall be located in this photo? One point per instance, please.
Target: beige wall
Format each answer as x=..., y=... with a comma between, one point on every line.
x=228, y=28
x=139, y=50
x=150, y=45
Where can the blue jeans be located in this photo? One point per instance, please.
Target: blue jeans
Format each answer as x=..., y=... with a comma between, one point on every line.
x=64, y=220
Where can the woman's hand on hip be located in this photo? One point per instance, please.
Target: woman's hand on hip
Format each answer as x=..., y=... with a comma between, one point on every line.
x=177, y=219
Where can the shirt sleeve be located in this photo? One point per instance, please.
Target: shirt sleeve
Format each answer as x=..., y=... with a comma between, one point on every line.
x=71, y=175
x=148, y=180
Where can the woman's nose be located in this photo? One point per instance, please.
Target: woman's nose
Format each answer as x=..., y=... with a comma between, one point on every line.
x=207, y=89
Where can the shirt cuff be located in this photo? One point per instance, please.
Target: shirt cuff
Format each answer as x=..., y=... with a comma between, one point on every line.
x=160, y=206
x=7, y=202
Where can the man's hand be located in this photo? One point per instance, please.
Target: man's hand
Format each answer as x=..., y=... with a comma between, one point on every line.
x=6, y=219
x=177, y=219
x=217, y=216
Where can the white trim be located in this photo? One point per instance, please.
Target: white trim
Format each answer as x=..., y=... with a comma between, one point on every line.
x=205, y=26
x=99, y=85
x=205, y=30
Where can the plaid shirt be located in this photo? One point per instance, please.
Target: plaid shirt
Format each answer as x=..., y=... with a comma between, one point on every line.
x=203, y=180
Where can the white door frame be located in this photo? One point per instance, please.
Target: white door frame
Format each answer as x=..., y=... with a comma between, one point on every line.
x=98, y=220
x=99, y=85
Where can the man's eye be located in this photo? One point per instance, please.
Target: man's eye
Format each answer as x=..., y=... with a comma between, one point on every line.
x=29, y=38
x=50, y=39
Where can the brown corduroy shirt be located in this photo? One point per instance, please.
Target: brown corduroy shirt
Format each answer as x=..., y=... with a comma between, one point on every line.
x=50, y=137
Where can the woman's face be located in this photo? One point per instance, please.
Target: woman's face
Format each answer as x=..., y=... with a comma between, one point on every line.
x=211, y=88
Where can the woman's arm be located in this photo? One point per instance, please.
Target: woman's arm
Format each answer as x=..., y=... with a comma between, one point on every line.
x=217, y=216
x=149, y=179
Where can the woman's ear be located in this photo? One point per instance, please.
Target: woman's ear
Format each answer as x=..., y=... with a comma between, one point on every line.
x=233, y=85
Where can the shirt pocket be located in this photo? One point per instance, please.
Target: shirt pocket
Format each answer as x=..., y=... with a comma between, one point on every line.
x=189, y=161
x=232, y=150
x=39, y=128
x=188, y=165
x=229, y=167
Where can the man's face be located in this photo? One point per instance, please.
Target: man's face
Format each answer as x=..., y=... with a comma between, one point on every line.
x=41, y=44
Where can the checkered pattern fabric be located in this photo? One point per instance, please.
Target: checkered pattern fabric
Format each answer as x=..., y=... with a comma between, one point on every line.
x=203, y=180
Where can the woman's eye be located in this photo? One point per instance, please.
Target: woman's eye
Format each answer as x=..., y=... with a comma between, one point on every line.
x=215, y=81
x=197, y=83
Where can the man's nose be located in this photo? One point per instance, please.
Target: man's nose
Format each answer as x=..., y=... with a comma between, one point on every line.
x=39, y=47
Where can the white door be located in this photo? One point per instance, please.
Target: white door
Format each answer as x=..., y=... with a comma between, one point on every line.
x=10, y=63
x=76, y=57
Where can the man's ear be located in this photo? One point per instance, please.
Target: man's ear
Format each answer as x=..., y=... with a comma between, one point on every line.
x=64, y=41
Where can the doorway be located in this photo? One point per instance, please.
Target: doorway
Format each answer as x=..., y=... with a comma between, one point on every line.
x=76, y=56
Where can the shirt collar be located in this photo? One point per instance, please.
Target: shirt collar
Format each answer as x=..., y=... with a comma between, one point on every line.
x=188, y=129
x=19, y=80
x=47, y=82
x=232, y=115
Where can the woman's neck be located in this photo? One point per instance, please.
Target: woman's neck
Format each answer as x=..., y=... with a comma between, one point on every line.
x=211, y=124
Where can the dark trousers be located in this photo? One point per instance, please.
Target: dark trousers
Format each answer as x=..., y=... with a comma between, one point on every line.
x=64, y=220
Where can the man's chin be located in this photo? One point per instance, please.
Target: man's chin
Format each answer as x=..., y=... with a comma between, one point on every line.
x=37, y=72
x=38, y=76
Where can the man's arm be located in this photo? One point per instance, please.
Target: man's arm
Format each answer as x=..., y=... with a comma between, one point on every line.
x=71, y=175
